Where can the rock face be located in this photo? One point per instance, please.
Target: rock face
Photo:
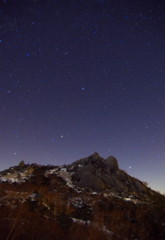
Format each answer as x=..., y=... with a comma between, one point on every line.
x=98, y=174
x=22, y=164
x=112, y=163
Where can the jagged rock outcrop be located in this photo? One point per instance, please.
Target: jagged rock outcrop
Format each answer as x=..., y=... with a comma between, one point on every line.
x=22, y=164
x=112, y=163
x=98, y=174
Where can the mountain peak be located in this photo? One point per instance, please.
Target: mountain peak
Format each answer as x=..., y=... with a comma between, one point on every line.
x=99, y=174
x=95, y=155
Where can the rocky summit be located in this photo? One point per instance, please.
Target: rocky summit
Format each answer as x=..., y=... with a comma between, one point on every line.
x=92, y=198
x=100, y=174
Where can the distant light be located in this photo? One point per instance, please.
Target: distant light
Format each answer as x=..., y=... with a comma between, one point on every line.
x=83, y=88
x=129, y=167
x=61, y=136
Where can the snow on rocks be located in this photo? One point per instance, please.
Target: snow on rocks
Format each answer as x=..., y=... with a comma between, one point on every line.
x=77, y=202
x=51, y=171
x=94, y=193
x=76, y=220
x=61, y=172
x=66, y=176
x=87, y=223
x=16, y=175
x=128, y=199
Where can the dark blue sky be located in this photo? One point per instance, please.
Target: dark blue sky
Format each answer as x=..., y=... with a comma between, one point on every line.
x=83, y=76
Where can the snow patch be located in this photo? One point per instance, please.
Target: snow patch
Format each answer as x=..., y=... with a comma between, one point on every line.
x=51, y=171
x=66, y=176
x=76, y=220
x=94, y=193
x=87, y=223
x=127, y=199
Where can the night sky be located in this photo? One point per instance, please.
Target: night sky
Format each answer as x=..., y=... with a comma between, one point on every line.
x=78, y=77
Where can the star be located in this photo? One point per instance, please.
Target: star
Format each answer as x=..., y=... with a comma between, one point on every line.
x=28, y=54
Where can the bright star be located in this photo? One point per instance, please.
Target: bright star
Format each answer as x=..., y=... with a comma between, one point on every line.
x=28, y=54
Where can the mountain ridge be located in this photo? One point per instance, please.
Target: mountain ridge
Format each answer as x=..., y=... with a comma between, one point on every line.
x=91, y=194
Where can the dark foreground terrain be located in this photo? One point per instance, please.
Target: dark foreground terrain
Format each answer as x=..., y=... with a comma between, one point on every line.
x=90, y=199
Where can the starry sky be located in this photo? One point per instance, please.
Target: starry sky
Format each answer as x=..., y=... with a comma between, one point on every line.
x=83, y=76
